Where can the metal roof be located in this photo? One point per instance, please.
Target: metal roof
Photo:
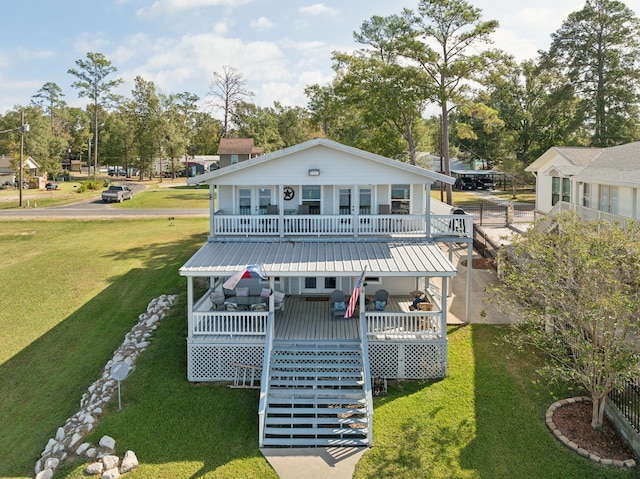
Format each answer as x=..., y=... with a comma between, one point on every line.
x=334, y=258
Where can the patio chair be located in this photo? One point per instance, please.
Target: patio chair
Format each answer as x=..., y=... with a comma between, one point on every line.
x=303, y=209
x=217, y=301
x=380, y=299
x=338, y=303
x=278, y=301
x=272, y=209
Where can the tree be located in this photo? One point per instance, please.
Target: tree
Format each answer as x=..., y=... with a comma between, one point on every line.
x=577, y=289
x=228, y=89
x=145, y=116
x=92, y=84
x=457, y=31
x=49, y=98
x=598, y=49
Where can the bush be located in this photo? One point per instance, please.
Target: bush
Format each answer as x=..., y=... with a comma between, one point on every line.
x=89, y=185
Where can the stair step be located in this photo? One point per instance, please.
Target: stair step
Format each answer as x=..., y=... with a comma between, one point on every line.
x=314, y=431
x=303, y=370
x=334, y=419
x=319, y=398
x=338, y=411
x=315, y=442
x=299, y=383
x=298, y=358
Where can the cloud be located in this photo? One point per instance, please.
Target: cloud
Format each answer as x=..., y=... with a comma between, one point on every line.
x=167, y=7
x=261, y=24
x=319, y=9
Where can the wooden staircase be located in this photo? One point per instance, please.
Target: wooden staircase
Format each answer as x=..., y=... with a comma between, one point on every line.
x=316, y=395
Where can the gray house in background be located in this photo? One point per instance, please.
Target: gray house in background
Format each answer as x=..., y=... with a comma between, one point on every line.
x=235, y=150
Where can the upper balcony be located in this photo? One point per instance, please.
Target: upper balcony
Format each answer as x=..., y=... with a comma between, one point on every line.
x=439, y=226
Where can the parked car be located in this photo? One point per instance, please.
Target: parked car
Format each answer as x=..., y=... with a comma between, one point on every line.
x=484, y=183
x=464, y=183
x=117, y=193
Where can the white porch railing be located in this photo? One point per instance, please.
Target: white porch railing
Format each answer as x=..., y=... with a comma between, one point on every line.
x=400, y=325
x=232, y=323
x=348, y=225
x=591, y=214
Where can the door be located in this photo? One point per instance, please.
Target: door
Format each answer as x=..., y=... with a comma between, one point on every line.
x=344, y=201
x=254, y=200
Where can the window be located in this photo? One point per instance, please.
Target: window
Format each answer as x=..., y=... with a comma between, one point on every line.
x=330, y=283
x=555, y=190
x=310, y=283
x=365, y=201
x=311, y=197
x=400, y=199
x=586, y=195
x=566, y=190
x=609, y=199
x=234, y=159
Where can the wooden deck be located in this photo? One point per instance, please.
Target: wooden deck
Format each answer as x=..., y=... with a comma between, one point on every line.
x=310, y=318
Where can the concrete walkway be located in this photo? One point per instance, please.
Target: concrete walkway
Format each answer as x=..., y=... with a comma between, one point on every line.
x=314, y=462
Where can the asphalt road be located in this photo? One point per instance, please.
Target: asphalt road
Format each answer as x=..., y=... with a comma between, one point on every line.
x=97, y=209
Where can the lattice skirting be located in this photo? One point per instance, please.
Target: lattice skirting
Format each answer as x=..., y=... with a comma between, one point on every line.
x=208, y=362
x=390, y=360
x=397, y=360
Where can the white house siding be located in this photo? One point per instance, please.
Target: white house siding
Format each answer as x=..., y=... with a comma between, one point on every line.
x=625, y=202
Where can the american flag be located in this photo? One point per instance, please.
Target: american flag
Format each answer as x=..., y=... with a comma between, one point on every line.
x=354, y=296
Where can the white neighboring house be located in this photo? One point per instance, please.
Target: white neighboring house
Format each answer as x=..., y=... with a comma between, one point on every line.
x=9, y=175
x=595, y=182
x=314, y=217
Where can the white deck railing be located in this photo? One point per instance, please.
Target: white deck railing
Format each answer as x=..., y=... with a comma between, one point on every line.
x=348, y=225
x=232, y=323
x=591, y=214
x=401, y=325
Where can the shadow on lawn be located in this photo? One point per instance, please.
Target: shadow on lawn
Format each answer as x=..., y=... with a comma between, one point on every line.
x=41, y=386
x=511, y=438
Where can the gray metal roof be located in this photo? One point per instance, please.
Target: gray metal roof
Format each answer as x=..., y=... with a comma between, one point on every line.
x=334, y=258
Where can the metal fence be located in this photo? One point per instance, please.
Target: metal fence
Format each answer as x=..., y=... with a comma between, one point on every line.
x=496, y=215
x=628, y=402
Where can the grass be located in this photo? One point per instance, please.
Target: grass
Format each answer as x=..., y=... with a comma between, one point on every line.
x=76, y=287
x=179, y=196
x=65, y=194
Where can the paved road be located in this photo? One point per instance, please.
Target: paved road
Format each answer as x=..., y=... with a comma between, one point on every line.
x=97, y=209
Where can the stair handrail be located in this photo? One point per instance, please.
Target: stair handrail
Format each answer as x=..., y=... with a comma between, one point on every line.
x=265, y=378
x=364, y=350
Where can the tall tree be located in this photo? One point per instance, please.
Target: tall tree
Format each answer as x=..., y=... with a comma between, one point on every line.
x=92, y=83
x=228, y=89
x=577, y=293
x=49, y=98
x=145, y=115
x=444, y=40
x=598, y=49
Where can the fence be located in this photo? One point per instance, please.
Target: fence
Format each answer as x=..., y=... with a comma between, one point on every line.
x=497, y=214
x=628, y=402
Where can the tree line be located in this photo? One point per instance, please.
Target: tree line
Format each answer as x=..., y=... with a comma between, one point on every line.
x=581, y=91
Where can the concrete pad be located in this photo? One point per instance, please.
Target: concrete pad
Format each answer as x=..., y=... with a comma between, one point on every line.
x=314, y=462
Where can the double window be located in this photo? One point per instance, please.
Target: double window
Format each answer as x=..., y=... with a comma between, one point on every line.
x=311, y=196
x=400, y=199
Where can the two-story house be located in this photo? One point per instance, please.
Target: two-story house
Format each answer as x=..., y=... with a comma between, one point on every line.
x=595, y=182
x=313, y=218
x=234, y=150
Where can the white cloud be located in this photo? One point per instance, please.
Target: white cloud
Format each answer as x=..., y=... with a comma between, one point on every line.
x=261, y=24
x=167, y=7
x=319, y=9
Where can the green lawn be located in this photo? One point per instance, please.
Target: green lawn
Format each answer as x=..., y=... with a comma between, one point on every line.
x=179, y=196
x=74, y=288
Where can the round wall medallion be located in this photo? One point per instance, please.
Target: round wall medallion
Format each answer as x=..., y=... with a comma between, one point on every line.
x=288, y=193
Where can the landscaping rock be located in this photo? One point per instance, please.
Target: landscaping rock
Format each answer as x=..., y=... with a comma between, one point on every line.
x=99, y=393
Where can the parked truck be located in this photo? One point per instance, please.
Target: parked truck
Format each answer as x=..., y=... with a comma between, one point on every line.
x=117, y=193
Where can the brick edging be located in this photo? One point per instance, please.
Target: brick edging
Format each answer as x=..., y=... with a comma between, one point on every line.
x=626, y=464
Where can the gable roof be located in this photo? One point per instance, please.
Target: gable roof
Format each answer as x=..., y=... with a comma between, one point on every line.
x=238, y=146
x=576, y=156
x=618, y=165
x=321, y=142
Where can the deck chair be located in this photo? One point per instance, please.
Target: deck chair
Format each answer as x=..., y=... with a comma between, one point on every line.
x=278, y=300
x=380, y=299
x=272, y=209
x=303, y=209
x=384, y=210
x=338, y=304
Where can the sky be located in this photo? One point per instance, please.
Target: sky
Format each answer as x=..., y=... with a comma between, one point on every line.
x=278, y=46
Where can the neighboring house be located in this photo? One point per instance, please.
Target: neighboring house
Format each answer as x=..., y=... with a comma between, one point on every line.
x=314, y=217
x=234, y=150
x=596, y=182
x=8, y=174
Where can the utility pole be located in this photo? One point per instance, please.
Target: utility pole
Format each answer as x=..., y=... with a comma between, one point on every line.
x=24, y=127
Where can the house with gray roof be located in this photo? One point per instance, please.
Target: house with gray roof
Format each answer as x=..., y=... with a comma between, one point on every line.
x=596, y=182
x=352, y=290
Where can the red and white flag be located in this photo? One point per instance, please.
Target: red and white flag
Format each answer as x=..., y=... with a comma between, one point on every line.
x=251, y=271
x=354, y=296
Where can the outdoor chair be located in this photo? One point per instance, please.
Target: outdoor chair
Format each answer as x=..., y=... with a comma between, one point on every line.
x=272, y=209
x=303, y=209
x=338, y=303
x=380, y=299
x=278, y=301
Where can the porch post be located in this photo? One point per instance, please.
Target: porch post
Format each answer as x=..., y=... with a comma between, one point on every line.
x=272, y=301
x=356, y=211
x=190, y=306
x=445, y=306
x=212, y=210
x=280, y=203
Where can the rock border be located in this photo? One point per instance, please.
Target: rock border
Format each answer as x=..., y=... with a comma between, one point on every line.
x=66, y=442
x=626, y=464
